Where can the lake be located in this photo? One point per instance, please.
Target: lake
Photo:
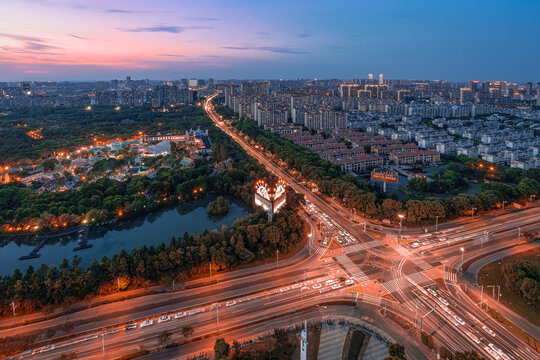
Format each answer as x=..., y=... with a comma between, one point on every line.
x=151, y=229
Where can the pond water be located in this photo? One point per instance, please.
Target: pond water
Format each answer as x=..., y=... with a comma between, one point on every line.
x=151, y=229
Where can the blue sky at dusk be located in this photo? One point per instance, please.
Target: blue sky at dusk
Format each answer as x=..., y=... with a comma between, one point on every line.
x=166, y=39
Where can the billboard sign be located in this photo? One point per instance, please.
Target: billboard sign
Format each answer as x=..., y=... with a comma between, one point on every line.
x=385, y=177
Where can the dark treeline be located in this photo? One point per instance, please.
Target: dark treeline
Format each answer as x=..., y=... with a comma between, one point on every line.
x=522, y=277
x=248, y=239
x=372, y=204
x=63, y=128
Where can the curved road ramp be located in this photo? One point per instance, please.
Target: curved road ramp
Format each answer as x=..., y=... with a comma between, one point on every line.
x=348, y=343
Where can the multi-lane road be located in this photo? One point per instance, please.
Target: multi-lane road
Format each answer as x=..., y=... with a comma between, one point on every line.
x=247, y=303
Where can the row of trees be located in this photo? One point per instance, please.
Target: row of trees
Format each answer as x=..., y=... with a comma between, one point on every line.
x=371, y=203
x=522, y=277
x=248, y=239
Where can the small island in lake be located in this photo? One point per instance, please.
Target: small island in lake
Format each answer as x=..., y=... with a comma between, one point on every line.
x=218, y=207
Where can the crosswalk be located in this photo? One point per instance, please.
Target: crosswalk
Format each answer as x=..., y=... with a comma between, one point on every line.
x=320, y=250
x=418, y=278
x=352, y=268
x=422, y=264
x=392, y=285
x=375, y=300
x=450, y=276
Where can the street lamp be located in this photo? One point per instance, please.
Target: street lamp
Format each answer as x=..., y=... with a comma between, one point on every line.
x=504, y=202
x=309, y=242
x=531, y=197
x=436, y=222
x=462, y=251
x=400, y=216
x=472, y=213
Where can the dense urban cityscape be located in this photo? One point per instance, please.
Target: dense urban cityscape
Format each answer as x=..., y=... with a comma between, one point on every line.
x=248, y=184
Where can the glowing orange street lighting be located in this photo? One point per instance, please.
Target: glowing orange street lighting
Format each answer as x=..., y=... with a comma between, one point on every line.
x=400, y=216
x=462, y=251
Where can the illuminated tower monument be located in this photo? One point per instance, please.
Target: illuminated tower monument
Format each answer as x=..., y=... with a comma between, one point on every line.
x=270, y=197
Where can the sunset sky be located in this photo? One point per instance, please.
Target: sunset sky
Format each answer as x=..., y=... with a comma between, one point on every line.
x=166, y=39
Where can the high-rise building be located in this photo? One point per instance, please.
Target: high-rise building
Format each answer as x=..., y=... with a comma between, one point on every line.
x=128, y=79
x=474, y=86
x=370, y=76
x=529, y=88
x=381, y=81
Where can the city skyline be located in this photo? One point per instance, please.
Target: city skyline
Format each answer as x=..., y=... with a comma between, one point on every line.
x=70, y=40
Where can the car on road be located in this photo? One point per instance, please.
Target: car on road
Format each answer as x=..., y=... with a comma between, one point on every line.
x=367, y=318
x=431, y=291
x=179, y=315
x=285, y=289
x=414, y=245
x=336, y=286
x=488, y=330
x=46, y=348
x=330, y=282
x=349, y=282
x=492, y=353
x=164, y=318
x=147, y=323
x=473, y=337
x=443, y=301
x=317, y=286
x=459, y=320
x=230, y=303
x=131, y=326
x=27, y=352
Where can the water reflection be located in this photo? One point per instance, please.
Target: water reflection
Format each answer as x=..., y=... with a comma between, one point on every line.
x=151, y=229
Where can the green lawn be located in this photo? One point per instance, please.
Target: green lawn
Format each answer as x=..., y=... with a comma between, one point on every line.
x=491, y=274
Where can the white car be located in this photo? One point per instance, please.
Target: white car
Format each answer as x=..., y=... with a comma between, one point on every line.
x=230, y=303
x=46, y=348
x=330, y=282
x=414, y=245
x=349, y=282
x=284, y=289
x=473, y=337
x=443, y=301
x=336, y=286
x=488, y=330
x=492, y=353
x=179, y=315
x=432, y=292
x=147, y=323
x=317, y=286
x=459, y=320
x=164, y=318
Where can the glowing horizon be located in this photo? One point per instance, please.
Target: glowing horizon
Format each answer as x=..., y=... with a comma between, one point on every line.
x=80, y=40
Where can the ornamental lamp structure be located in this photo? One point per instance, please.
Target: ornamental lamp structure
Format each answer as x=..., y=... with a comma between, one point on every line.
x=271, y=197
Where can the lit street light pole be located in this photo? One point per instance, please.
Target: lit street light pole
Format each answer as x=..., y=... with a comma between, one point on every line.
x=13, y=306
x=400, y=216
x=217, y=318
x=504, y=202
x=472, y=213
x=277, y=259
x=462, y=251
x=309, y=242
x=436, y=222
